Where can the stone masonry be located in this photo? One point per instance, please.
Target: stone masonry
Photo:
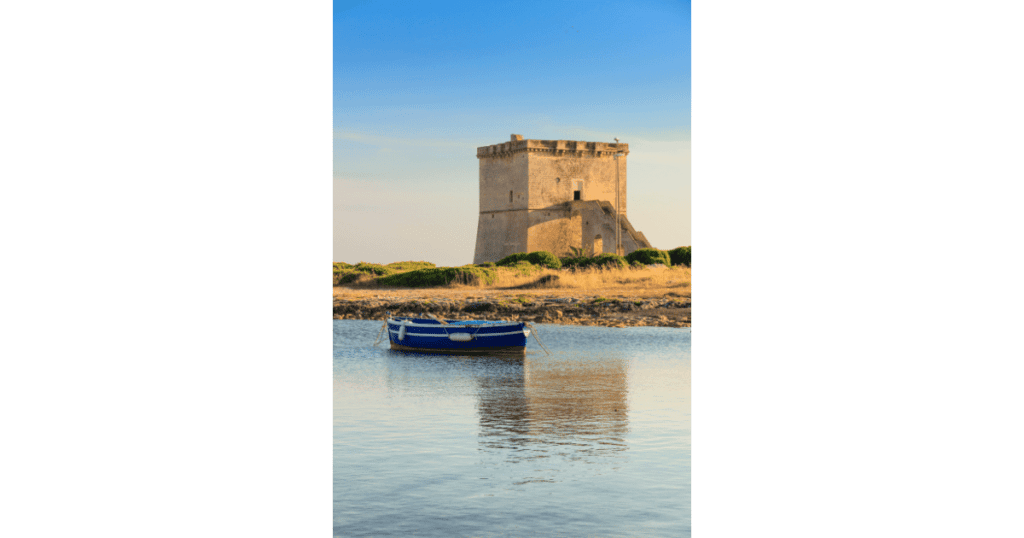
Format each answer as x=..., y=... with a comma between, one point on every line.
x=551, y=195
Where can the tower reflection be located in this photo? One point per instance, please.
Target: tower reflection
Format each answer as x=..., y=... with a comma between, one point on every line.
x=572, y=407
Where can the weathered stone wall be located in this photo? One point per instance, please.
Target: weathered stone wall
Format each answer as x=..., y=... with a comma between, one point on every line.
x=553, y=178
x=598, y=220
x=554, y=230
x=500, y=176
x=500, y=233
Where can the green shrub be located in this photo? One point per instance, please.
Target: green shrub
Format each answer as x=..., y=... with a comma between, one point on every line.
x=649, y=256
x=341, y=265
x=680, y=256
x=485, y=264
x=540, y=257
x=409, y=266
x=636, y=264
x=545, y=258
x=513, y=259
x=608, y=260
x=572, y=261
x=439, y=276
x=601, y=260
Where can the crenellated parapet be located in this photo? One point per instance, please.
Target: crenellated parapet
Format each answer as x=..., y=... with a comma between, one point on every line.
x=553, y=147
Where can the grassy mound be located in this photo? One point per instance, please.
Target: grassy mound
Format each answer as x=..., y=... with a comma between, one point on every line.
x=373, y=269
x=410, y=266
x=439, y=276
x=346, y=274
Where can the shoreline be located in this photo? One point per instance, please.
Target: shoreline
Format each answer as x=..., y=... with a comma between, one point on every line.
x=604, y=308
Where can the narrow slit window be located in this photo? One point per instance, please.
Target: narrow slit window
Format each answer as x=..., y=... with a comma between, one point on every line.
x=510, y=197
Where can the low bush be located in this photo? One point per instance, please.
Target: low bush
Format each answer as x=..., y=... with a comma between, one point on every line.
x=439, y=276
x=540, y=257
x=341, y=265
x=680, y=256
x=545, y=258
x=649, y=256
x=513, y=259
x=608, y=260
x=601, y=260
x=572, y=261
x=486, y=264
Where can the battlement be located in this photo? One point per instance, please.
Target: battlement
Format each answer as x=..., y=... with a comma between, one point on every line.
x=555, y=147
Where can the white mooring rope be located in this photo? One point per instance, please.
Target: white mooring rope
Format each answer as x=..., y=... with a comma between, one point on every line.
x=383, y=327
x=536, y=336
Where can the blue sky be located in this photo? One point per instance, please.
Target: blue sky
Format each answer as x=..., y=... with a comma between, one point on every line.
x=419, y=86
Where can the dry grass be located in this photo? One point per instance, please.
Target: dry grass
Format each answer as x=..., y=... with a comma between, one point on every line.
x=594, y=278
x=646, y=282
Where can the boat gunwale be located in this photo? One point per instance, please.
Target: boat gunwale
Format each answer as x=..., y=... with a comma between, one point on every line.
x=523, y=331
x=488, y=325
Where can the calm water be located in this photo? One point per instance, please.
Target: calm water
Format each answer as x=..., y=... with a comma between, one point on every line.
x=592, y=441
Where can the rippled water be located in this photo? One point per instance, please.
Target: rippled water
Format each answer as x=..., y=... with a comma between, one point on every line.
x=592, y=441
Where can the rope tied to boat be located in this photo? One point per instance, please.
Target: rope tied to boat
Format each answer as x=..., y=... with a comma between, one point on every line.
x=536, y=336
x=383, y=327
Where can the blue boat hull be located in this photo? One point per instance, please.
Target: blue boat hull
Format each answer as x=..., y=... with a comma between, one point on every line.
x=458, y=337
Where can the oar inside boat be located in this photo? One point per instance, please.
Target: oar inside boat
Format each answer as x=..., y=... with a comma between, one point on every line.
x=439, y=320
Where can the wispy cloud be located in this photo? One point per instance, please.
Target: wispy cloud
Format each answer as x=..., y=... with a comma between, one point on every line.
x=396, y=143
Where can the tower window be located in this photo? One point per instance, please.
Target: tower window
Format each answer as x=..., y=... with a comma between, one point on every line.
x=510, y=197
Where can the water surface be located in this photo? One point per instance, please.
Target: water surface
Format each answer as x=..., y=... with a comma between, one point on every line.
x=592, y=441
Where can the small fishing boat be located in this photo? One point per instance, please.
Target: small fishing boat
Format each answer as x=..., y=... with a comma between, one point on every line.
x=458, y=337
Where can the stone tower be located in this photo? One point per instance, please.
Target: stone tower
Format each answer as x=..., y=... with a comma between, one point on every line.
x=552, y=195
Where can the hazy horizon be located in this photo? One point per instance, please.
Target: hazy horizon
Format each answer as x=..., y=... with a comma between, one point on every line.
x=417, y=88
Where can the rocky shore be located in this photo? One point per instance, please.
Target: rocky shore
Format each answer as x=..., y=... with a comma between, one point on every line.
x=592, y=310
